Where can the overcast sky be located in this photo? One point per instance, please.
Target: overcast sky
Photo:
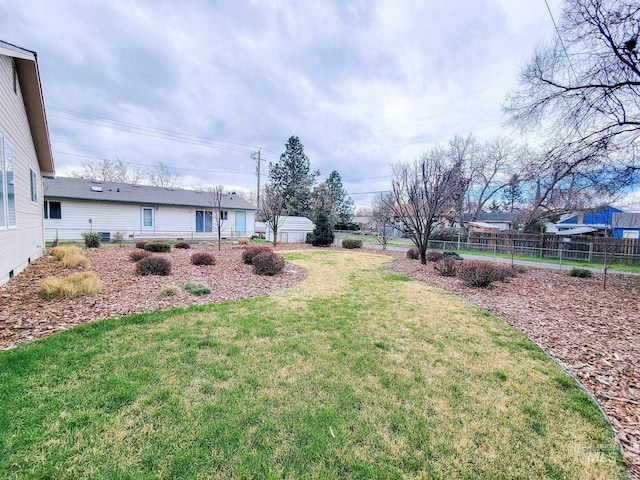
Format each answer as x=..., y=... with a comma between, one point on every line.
x=363, y=84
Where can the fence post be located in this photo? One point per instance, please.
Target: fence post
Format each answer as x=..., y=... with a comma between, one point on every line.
x=560, y=254
x=494, y=250
x=590, y=251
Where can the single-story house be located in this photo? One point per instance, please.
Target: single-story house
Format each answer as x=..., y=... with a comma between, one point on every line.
x=491, y=222
x=595, y=221
x=75, y=205
x=25, y=158
x=626, y=225
x=290, y=230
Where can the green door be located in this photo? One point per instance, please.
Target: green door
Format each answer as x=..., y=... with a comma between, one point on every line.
x=241, y=223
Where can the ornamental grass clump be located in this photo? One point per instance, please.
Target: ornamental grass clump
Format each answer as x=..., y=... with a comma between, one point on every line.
x=170, y=291
x=74, y=260
x=249, y=253
x=183, y=245
x=139, y=254
x=267, y=263
x=351, y=243
x=157, y=247
x=203, y=258
x=59, y=252
x=75, y=285
x=153, y=265
x=197, y=289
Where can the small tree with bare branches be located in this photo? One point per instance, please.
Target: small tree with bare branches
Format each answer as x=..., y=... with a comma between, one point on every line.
x=272, y=209
x=217, y=199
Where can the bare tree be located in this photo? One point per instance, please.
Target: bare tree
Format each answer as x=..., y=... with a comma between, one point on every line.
x=161, y=176
x=382, y=217
x=422, y=192
x=490, y=171
x=217, y=200
x=272, y=209
x=583, y=89
x=109, y=170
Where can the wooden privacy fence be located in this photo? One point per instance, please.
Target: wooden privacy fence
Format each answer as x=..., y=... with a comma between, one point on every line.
x=575, y=247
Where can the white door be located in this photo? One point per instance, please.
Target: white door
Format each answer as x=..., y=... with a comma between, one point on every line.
x=147, y=220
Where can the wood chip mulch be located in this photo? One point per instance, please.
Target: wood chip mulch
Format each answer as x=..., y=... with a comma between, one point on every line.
x=593, y=334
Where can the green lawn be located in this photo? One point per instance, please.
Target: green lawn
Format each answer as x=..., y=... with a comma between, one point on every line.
x=355, y=373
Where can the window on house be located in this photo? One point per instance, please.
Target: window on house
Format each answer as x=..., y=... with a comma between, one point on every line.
x=7, y=185
x=53, y=210
x=34, y=186
x=224, y=215
x=204, y=221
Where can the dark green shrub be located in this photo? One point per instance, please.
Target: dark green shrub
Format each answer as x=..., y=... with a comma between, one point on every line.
x=184, y=245
x=153, y=265
x=309, y=238
x=434, y=256
x=91, y=239
x=158, y=247
x=197, y=289
x=413, y=254
x=447, y=267
x=139, y=254
x=322, y=233
x=580, y=272
x=480, y=274
x=250, y=252
x=203, y=258
x=351, y=243
x=267, y=263
x=141, y=243
x=450, y=254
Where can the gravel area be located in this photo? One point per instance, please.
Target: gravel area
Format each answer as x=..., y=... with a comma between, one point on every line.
x=593, y=334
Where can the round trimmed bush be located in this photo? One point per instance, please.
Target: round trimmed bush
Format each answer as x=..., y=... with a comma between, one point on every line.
x=203, y=258
x=267, y=263
x=153, y=265
x=434, y=256
x=413, y=254
x=141, y=243
x=351, y=243
x=91, y=239
x=139, y=254
x=250, y=252
x=447, y=267
x=451, y=254
x=183, y=245
x=480, y=274
x=158, y=247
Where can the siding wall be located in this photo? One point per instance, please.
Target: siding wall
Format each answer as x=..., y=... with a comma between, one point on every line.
x=169, y=221
x=25, y=242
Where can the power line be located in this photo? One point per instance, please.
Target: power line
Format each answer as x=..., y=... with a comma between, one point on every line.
x=560, y=38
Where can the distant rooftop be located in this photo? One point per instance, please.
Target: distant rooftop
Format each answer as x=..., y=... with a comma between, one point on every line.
x=86, y=189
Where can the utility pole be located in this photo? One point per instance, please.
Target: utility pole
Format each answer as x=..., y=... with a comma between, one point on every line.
x=256, y=156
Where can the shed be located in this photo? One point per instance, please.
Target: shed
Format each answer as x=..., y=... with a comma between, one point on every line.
x=291, y=230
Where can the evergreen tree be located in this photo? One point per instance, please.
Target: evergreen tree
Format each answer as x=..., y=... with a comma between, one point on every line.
x=342, y=206
x=292, y=176
x=323, y=232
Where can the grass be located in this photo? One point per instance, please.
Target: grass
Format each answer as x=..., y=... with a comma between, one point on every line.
x=354, y=373
x=74, y=285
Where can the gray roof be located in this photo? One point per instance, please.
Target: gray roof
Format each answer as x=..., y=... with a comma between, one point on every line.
x=85, y=189
x=626, y=220
x=507, y=217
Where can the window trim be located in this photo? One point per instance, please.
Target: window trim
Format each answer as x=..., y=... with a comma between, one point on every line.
x=204, y=213
x=47, y=210
x=34, y=185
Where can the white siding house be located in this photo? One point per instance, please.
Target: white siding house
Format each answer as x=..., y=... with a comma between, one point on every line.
x=73, y=206
x=25, y=157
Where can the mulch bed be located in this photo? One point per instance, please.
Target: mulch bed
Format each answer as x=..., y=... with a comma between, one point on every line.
x=593, y=334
